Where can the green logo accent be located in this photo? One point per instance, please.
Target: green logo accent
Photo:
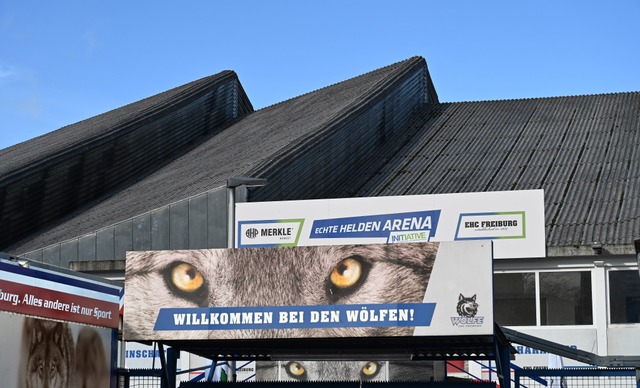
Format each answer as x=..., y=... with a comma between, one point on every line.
x=300, y=222
x=524, y=226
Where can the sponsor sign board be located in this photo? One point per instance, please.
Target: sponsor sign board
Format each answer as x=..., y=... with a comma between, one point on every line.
x=45, y=315
x=375, y=290
x=51, y=294
x=513, y=220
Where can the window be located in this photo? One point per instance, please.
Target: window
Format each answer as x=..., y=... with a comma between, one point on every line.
x=515, y=299
x=624, y=294
x=565, y=298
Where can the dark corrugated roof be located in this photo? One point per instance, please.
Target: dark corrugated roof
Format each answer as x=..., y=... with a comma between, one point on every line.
x=50, y=144
x=581, y=150
x=245, y=145
x=49, y=177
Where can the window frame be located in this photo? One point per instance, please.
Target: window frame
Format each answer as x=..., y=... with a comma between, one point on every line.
x=608, y=299
x=538, y=300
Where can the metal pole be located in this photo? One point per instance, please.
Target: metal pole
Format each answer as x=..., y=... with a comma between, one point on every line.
x=232, y=183
x=231, y=216
x=172, y=366
x=231, y=223
x=503, y=364
x=164, y=382
x=212, y=369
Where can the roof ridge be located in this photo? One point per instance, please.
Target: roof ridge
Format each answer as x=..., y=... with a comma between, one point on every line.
x=171, y=98
x=187, y=86
x=542, y=98
x=358, y=103
x=340, y=82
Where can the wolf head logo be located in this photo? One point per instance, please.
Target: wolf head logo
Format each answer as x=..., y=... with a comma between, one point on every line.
x=467, y=307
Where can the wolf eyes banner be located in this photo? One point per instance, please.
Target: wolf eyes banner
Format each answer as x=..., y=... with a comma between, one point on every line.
x=376, y=290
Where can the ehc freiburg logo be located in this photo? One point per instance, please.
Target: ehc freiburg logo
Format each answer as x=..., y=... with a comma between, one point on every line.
x=467, y=310
x=251, y=233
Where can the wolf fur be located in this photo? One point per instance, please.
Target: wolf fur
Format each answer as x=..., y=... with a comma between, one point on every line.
x=396, y=273
x=92, y=365
x=320, y=371
x=345, y=371
x=47, y=357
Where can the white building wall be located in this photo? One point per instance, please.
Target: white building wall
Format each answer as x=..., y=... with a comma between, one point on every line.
x=602, y=337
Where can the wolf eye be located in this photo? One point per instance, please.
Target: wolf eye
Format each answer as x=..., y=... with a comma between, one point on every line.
x=346, y=273
x=295, y=370
x=370, y=370
x=186, y=278
x=346, y=276
x=185, y=281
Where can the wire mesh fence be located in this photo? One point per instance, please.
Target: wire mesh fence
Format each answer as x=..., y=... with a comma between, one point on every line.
x=140, y=378
x=576, y=378
x=139, y=382
x=522, y=378
x=582, y=381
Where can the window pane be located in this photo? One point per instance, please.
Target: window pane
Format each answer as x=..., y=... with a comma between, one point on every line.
x=515, y=299
x=565, y=298
x=624, y=291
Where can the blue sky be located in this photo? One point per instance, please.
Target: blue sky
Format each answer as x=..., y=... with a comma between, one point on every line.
x=65, y=61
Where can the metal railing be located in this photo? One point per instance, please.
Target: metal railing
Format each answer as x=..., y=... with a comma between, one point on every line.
x=570, y=377
x=576, y=377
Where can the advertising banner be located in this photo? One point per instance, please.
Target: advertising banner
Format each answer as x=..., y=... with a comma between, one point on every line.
x=376, y=290
x=44, y=340
x=513, y=220
x=56, y=295
x=363, y=370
